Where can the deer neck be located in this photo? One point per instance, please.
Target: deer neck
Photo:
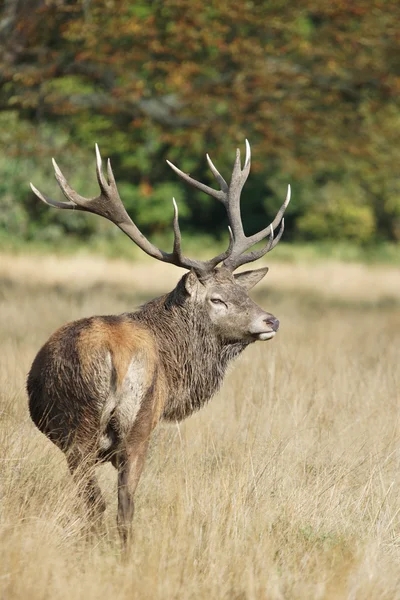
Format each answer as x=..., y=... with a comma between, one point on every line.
x=193, y=358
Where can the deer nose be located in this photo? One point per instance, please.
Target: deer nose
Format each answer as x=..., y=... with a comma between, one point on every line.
x=273, y=323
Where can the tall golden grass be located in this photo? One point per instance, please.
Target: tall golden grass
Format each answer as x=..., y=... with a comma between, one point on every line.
x=286, y=486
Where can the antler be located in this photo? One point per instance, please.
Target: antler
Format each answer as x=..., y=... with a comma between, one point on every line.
x=229, y=195
x=108, y=205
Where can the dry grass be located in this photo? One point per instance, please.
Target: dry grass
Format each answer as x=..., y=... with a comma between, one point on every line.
x=285, y=486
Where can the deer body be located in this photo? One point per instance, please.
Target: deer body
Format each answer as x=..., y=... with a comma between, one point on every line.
x=100, y=385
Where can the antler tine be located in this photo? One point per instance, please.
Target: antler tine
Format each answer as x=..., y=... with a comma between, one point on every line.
x=110, y=174
x=278, y=237
x=99, y=170
x=218, y=194
x=243, y=243
x=257, y=237
x=78, y=201
x=217, y=175
x=51, y=202
x=213, y=262
x=248, y=155
x=177, y=231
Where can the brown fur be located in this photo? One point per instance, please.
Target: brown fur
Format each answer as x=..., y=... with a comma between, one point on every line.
x=122, y=339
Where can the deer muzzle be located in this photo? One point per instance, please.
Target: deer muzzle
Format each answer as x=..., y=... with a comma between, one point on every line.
x=264, y=327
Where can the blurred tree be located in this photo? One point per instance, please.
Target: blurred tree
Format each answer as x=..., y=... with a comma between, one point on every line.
x=340, y=213
x=313, y=85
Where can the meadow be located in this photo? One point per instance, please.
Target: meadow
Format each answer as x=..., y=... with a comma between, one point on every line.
x=286, y=486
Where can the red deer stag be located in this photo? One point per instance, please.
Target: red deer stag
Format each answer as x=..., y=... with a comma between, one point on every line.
x=99, y=385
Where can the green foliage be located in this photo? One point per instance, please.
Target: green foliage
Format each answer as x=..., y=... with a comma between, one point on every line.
x=22, y=214
x=151, y=207
x=314, y=87
x=341, y=213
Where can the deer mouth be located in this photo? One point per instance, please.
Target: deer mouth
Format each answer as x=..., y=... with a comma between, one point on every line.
x=263, y=336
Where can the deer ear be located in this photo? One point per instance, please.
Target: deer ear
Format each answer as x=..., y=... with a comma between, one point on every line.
x=249, y=279
x=191, y=282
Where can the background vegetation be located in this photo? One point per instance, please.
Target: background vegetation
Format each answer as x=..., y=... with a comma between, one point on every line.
x=313, y=85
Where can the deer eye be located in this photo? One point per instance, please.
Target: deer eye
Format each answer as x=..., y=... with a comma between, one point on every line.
x=217, y=301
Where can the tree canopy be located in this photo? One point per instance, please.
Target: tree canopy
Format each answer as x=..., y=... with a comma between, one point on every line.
x=313, y=86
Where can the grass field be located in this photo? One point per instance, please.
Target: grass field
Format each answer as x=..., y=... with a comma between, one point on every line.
x=286, y=486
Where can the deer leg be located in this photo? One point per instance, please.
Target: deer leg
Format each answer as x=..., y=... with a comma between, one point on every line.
x=82, y=468
x=129, y=460
x=130, y=467
x=130, y=463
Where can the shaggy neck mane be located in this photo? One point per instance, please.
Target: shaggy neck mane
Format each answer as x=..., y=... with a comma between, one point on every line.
x=193, y=357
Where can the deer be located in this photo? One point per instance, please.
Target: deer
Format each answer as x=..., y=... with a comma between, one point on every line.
x=100, y=385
